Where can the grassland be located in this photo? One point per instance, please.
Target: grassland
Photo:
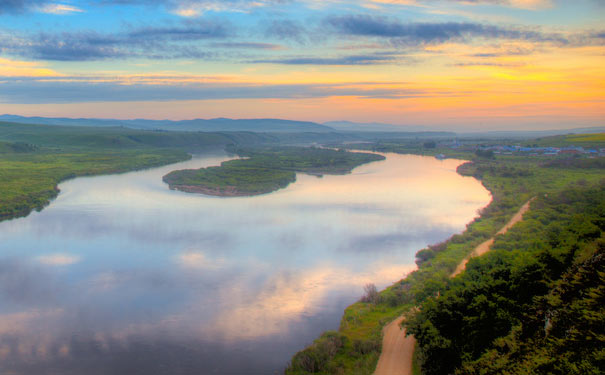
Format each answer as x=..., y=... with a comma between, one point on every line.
x=512, y=180
x=265, y=170
x=585, y=140
x=35, y=158
x=29, y=180
x=232, y=178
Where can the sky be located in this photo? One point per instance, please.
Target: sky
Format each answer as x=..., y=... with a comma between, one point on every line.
x=445, y=64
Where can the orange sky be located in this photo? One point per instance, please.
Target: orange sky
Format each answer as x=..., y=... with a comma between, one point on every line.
x=446, y=64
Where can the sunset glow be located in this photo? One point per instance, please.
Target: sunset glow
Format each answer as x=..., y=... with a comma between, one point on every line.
x=531, y=64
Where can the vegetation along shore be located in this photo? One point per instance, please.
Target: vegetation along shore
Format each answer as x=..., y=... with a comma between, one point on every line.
x=534, y=304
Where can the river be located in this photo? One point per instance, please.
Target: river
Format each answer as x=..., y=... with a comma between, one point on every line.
x=120, y=275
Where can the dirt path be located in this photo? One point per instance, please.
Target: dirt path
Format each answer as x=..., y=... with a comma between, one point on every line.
x=397, y=349
x=485, y=246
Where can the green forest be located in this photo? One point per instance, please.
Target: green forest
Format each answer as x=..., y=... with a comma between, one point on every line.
x=265, y=169
x=533, y=305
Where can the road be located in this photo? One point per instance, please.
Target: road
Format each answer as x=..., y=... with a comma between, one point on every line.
x=397, y=349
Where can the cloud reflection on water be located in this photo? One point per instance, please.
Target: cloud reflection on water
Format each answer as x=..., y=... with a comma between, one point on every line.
x=122, y=275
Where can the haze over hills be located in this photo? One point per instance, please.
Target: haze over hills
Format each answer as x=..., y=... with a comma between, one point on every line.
x=351, y=126
x=269, y=125
x=211, y=125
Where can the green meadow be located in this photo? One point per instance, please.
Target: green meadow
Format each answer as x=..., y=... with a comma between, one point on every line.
x=35, y=158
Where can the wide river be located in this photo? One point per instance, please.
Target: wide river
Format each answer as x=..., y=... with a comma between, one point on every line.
x=120, y=275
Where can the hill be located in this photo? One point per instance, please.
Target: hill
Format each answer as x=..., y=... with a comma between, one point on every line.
x=211, y=125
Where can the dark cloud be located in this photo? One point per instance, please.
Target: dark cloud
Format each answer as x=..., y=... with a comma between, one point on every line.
x=414, y=34
x=186, y=31
x=166, y=42
x=376, y=59
x=286, y=30
x=20, y=6
x=247, y=45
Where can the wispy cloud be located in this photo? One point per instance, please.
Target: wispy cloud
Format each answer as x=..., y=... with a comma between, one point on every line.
x=247, y=45
x=523, y=4
x=154, y=42
x=413, y=34
x=16, y=68
x=20, y=6
x=79, y=89
x=58, y=259
x=60, y=9
x=376, y=59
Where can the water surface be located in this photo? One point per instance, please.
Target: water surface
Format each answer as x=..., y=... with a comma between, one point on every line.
x=120, y=275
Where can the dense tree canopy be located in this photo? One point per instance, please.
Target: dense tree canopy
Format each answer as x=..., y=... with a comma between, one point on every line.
x=535, y=304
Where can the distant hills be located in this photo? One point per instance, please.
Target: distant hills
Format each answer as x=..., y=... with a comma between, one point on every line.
x=349, y=126
x=363, y=129
x=212, y=125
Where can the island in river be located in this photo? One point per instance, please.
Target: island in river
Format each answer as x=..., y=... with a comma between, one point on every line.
x=265, y=170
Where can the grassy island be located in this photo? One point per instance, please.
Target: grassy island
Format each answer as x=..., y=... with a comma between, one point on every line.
x=265, y=170
x=34, y=159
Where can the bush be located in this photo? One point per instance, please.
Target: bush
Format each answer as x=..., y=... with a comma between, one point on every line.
x=315, y=358
x=363, y=347
x=371, y=295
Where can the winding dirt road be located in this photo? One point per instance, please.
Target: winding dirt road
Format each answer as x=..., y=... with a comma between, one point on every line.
x=397, y=349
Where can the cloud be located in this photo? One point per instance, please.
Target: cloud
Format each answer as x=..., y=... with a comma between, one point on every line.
x=153, y=42
x=77, y=90
x=248, y=45
x=44, y=6
x=198, y=260
x=20, y=6
x=523, y=4
x=494, y=64
x=414, y=34
x=58, y=259
x=286, y=30
x=16, y=68
x=196, y=8
x=60, y=9
x=377, y=59
x=184, y=8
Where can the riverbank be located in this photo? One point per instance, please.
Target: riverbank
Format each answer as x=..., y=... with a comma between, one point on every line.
x=512, y=181
x=30, y=179
x=34, y=159
x=396, y=357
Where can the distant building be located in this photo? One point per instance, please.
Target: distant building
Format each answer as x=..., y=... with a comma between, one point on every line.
x=567, y=151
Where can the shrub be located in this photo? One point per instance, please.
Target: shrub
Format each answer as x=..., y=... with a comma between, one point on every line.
x=371, y=295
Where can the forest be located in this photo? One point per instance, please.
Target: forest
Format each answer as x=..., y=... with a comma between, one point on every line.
x=534, y=304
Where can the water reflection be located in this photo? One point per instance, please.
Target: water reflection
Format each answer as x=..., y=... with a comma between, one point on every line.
x=122, y=276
